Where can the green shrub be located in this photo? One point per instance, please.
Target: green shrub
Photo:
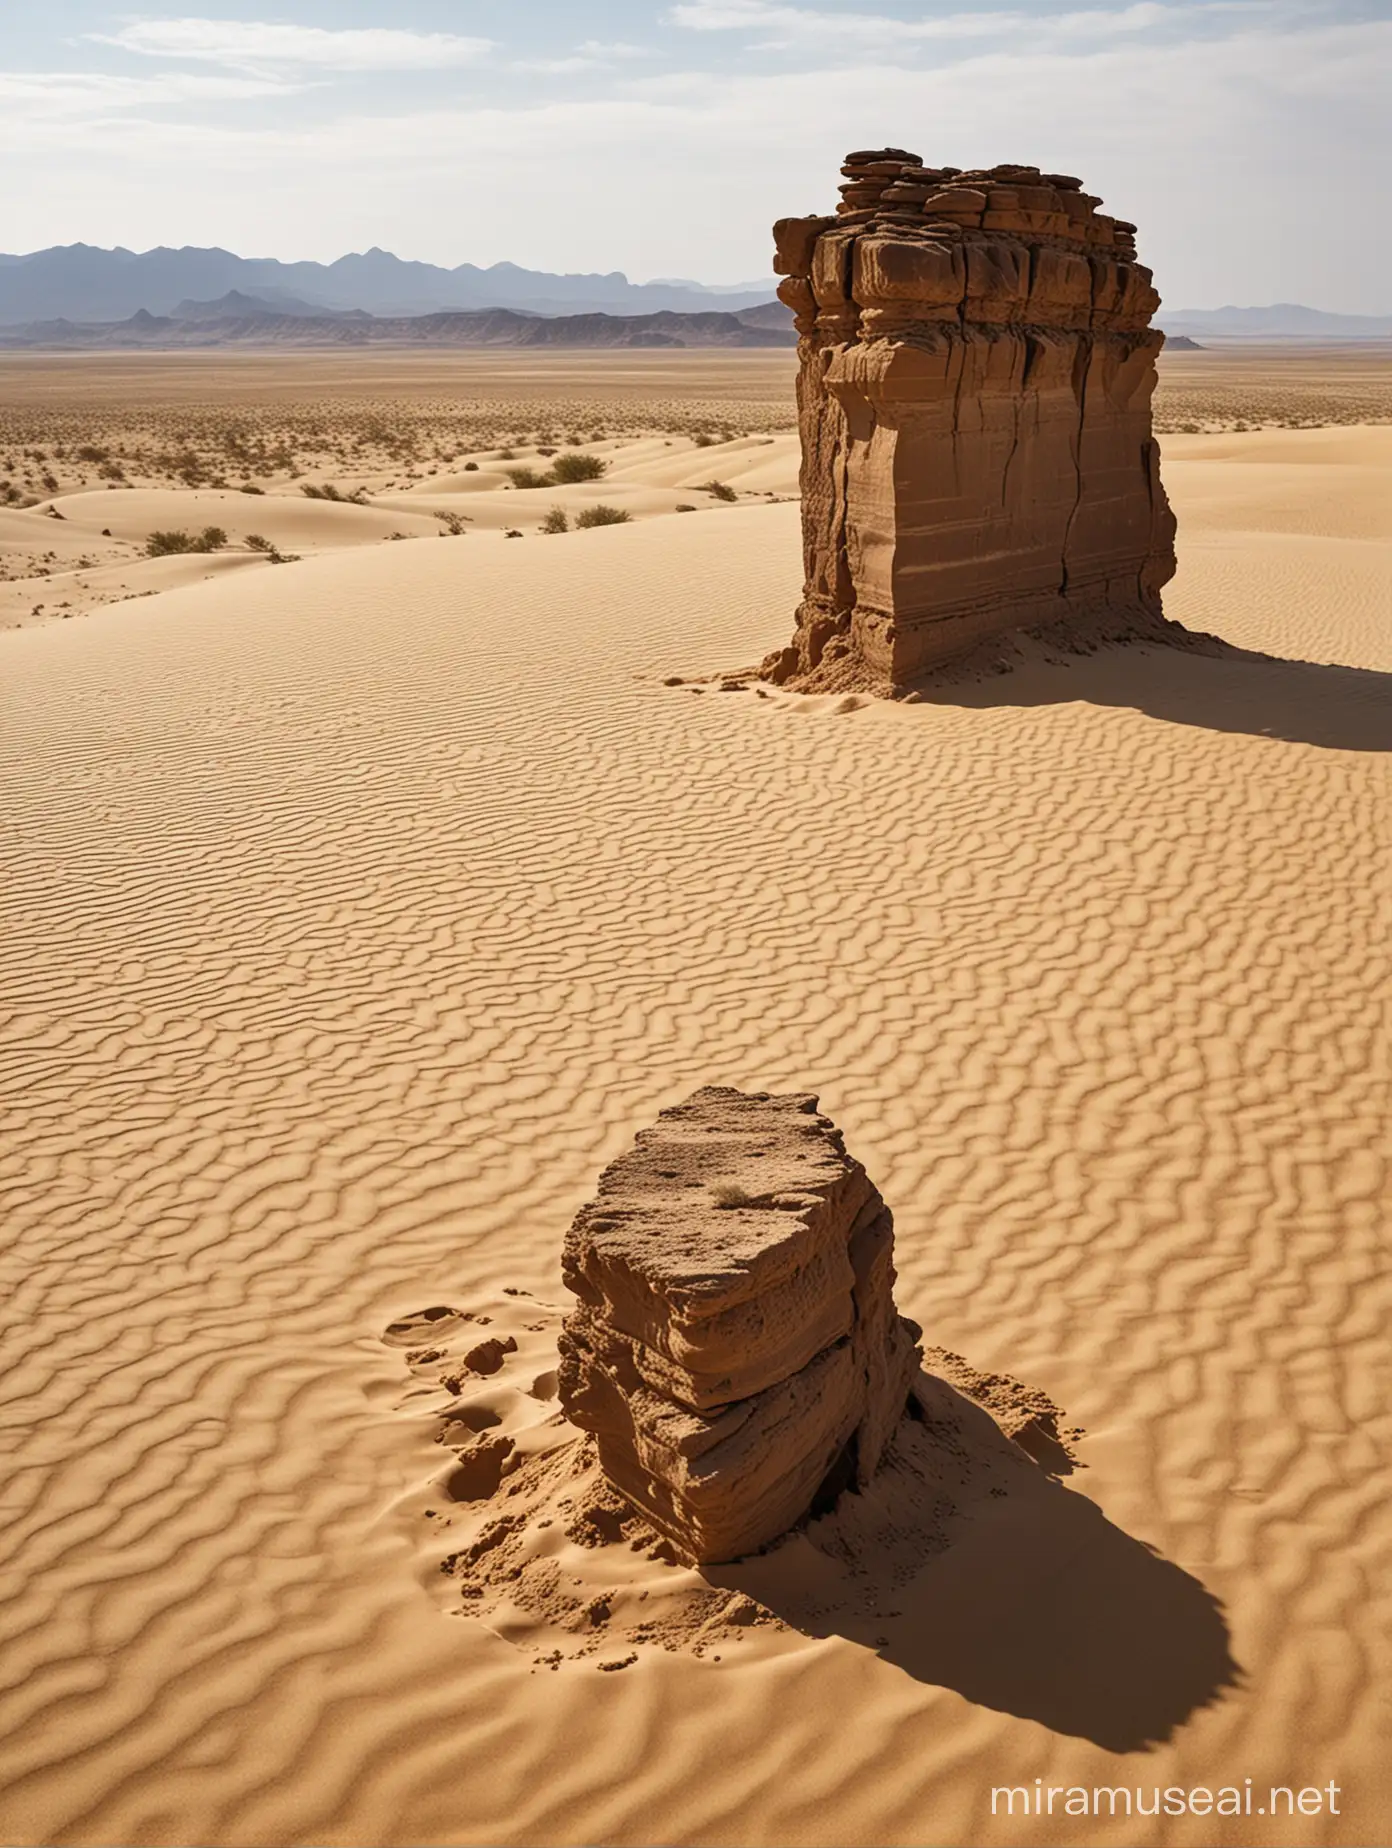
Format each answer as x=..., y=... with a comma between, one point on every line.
x=577, y=467
x=600, y=515
x=167, y=544
x=556, y=521
x=720, y=489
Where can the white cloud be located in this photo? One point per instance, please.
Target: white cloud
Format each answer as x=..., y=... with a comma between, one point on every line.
x=37, y=96
x=1250, y=159
x=260, y=43
x=801, y=25
x=612, y=49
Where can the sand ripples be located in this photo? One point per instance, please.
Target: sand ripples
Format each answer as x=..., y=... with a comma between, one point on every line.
x=355, y=918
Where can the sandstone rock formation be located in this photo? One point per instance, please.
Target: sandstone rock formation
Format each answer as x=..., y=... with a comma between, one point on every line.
x=735, y=1349
x=974, y=386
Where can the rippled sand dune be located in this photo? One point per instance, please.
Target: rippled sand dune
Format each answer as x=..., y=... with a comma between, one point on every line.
x=355, y=913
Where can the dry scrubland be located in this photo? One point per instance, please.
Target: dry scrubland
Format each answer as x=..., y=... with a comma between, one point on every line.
x=356, y=911
x=238, y=442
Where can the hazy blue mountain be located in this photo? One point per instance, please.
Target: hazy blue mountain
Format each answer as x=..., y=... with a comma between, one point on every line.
x=236, y=319
x=79, y=282
x=1280, y=321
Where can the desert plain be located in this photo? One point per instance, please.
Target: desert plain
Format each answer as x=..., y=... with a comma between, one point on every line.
x=366, y=888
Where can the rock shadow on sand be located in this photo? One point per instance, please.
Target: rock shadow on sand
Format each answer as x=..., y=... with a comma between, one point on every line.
x=1033, y=1603
x=1229, y=690
x=964, y=1561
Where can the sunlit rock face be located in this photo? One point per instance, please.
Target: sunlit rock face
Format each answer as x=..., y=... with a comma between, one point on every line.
x=735, y=1348
x=976, y=364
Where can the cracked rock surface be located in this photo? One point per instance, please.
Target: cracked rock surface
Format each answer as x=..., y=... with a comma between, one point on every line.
x=976, y=365
x=735, y=1349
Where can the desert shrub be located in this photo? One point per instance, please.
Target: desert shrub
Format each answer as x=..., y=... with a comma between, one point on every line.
x=577, y=467
x=541, y=451
x=453, y=522
x=720, y=489
x=512, y=533
x=507, y=455
x=167, y=544
x=601, y=515
x=258, y=542
x=729, y=1194
x=527, y=478
x=327, y=492
x=556, y=521
x=683, y=507
x=703, y=439
x=471, y=468
x=250, y=487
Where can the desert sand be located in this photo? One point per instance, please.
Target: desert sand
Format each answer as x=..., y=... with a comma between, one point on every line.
x=357, y=911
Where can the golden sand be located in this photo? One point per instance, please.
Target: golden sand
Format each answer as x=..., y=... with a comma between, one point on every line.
x=356, y=911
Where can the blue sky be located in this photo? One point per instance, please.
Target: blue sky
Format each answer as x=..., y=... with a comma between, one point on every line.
x=1248, y=138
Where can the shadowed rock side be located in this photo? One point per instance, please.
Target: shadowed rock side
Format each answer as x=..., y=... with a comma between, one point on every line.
x=735, y=1349
x=976, y=366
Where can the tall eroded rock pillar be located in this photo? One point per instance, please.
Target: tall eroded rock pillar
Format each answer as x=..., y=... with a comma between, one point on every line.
x=976, y=366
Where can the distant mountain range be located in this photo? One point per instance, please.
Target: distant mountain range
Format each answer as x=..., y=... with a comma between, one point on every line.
x=1281, y=321
x=78, y=282
x=236, y=319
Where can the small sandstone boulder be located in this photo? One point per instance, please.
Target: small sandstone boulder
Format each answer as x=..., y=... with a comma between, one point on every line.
x=735, y=1345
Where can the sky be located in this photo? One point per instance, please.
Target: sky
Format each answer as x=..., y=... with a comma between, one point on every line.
x=1249, y=139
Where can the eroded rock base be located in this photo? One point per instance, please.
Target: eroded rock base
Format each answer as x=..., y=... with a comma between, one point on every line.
x=735, y=1350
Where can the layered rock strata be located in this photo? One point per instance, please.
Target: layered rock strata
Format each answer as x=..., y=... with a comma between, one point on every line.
x=976, y=366
x=735, y=1348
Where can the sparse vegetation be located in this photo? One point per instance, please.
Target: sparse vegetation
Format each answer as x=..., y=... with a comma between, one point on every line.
x=564, y=471
x=556, y=521
x=167, y=544
x=576, y=466
x=258, y=542
x=730, y=1194
x=602, y=515
x=720, y=489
